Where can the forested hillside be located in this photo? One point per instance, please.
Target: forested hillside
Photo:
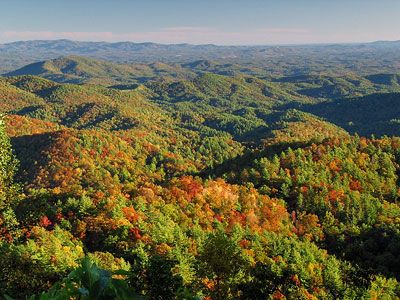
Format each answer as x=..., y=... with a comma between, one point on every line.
x=198, y=179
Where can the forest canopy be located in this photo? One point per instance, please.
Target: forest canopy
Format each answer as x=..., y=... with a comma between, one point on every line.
x=200, y=180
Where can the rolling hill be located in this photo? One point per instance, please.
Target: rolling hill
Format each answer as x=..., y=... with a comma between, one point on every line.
x=76, y=69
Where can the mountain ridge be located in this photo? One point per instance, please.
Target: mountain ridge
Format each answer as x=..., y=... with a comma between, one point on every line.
x=358, y=56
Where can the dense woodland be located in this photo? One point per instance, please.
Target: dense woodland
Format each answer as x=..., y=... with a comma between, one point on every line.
x=198, y=180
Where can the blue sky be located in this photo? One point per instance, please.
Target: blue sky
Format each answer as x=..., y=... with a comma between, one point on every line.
x=202, y=21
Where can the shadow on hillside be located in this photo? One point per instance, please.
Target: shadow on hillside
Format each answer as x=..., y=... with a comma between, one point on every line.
x=377, y=114
x=29, y=151
x=29, y=110
x=375, y=249
x=239, y=163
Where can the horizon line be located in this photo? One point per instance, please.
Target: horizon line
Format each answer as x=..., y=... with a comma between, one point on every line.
x=203, y=44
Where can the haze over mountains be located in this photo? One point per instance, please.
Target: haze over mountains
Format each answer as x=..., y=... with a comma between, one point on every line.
x=277, y=59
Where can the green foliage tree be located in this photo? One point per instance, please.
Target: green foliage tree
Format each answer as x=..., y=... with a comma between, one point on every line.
x=9, y=192
x=222, y=260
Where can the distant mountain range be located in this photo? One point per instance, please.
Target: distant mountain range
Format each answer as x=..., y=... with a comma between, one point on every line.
x=288, y=60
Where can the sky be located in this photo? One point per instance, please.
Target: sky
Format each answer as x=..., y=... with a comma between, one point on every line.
x=221, y=22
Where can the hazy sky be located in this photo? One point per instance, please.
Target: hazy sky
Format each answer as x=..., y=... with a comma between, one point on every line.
x=202, y=21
